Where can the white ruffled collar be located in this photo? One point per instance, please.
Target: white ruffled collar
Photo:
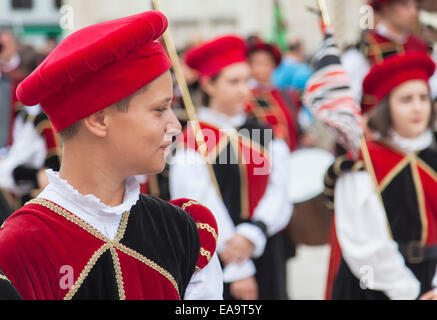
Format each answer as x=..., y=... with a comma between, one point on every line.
x=410, y=145
x=89, y=207
x=221, y=120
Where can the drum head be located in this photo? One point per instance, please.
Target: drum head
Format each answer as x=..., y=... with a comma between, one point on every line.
x=307, y=171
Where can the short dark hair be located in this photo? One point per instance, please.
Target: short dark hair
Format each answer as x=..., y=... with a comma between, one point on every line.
x=121, y=106
x=380, y=117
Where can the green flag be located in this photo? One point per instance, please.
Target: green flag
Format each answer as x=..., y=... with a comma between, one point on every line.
x=280, y=31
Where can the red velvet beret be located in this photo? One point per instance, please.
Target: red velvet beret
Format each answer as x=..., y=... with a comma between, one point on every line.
x=394, y=71
x=96, y=67
x=270, y=48
x=211, y=57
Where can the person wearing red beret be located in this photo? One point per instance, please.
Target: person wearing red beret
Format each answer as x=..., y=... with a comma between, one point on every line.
x=392, y=34
x=90, y=234
x=248, y=191
x=387, y=229
x=276, y=108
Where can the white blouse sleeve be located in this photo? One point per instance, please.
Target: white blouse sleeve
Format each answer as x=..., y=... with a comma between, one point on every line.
x=364, y=237
x=206, y=284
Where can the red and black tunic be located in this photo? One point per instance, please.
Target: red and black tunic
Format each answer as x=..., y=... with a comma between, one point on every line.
x=49, y=253
x=377, y=47
x=278, y=110
x=408, y=186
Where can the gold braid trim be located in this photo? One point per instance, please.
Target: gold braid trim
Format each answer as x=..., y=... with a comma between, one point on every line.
x=149, y=263
x=70, y=217
x=86, y=271
x=189, y=203
x=118, y=274
x=2, y=277
x=210, y=229
x=108, y=243
x=206, y=254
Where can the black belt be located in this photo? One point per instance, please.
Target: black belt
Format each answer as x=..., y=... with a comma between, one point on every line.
x=414, y=252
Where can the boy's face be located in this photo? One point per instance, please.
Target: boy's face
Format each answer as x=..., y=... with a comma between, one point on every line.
x=140, y=138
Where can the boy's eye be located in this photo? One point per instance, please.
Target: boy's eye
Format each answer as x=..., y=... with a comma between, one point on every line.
x=406, y=99
x=161, y=109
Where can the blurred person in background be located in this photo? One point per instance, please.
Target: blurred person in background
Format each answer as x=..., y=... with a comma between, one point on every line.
x=386, y=232
x=250, y=203
x=293, y=72
x=34, y=145
x=393, y=34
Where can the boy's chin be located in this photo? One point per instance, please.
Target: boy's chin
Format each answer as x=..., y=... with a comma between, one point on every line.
x=154, y=169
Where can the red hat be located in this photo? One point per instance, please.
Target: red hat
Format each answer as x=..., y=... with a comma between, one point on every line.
x=394, y=71
x=211, y=57
x=96, y=67
x=270, y=48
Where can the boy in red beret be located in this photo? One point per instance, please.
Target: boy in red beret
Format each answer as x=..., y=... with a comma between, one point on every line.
x=90, y=234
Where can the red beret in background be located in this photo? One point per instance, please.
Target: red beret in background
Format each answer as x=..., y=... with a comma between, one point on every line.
x=96, y=67
x=270, y=48
x=394, y=71
x=211, y=57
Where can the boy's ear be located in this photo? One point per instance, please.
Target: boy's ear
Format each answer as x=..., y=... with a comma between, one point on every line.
x=97, y=123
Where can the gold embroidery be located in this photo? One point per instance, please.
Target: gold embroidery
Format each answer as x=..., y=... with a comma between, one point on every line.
x=108, y=244
x=122, y=228
x=4, y=278
x=393, y=173
x=118, y=274
x=70, y=217
x=189, y=203
x=425, y=167
x=420, y=198
x=209, y=228
x=148, y=262
x=206, y=254
x=86, y=271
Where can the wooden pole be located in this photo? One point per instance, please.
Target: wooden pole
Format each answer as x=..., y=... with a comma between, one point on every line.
x=188, y=102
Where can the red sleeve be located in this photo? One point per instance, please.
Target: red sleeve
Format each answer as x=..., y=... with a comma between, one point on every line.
x=23, y=261
x=206, y=226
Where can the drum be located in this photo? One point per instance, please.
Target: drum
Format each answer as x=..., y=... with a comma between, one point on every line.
x=310, y=222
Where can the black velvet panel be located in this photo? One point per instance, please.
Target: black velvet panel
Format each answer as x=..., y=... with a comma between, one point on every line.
x=400, y=201
x=227, y=172
x=165, y=234
x=101, y=282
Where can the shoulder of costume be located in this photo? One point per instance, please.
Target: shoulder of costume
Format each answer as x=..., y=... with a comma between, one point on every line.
x=206, y=227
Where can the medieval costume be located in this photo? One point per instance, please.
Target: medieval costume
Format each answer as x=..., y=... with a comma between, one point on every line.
x=387, y=237
x=67, y=245
x=250, y=168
